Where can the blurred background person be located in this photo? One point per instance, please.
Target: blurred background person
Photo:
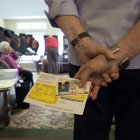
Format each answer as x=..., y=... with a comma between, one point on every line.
x=8, y=55
x=32, y=43
x=51, y=47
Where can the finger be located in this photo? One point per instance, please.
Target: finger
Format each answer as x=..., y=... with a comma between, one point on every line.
x=94, y=92
x=114, y=76
x=103, y=84
x=77, y=75
x=107, y=52
x=106, y=78
x=83, y=79
x=98, y=81
x=83, y=75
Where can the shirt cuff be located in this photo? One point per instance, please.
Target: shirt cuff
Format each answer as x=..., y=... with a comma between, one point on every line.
x=62, y=7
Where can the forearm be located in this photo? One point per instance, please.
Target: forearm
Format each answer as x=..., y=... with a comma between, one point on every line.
x=86, y=48
x=70, y=25
x=65, y=15
x=129, y=44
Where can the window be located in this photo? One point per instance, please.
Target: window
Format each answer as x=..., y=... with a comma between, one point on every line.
x=32, y=26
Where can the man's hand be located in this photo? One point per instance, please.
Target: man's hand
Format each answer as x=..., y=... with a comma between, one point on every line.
x=100, y=71
x=96, y=67
x=98, y=82
x=87, y=49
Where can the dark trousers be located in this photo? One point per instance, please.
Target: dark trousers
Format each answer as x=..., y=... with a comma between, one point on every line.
x=27, y=76
x=120, y=99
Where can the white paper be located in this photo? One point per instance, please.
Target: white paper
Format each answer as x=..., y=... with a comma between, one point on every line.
x=58, y=93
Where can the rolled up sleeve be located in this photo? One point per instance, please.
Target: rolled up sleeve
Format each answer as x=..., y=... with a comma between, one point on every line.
x=61, y=7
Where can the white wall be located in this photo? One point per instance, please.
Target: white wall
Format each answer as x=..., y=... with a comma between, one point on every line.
x=11, y=24
x=2, y=22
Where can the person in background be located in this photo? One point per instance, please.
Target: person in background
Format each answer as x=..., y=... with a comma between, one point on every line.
x=97, y=30
x=32, y=43
x=12, y=38
x=51, y=47
x=9, y=56
x=2, y=37
x=22, y=44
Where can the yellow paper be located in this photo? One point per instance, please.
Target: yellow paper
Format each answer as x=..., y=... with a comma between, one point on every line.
x=43, y=92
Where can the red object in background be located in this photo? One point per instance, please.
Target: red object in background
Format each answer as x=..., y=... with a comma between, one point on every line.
x=51, y=42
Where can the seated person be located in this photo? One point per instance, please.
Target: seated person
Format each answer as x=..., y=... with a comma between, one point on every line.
x=8, y=55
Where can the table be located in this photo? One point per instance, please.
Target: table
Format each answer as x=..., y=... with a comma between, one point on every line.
x=5, y=86
x=28, y=61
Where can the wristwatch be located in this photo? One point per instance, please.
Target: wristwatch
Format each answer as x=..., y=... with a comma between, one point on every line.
x=125, y=62
x=75, y=41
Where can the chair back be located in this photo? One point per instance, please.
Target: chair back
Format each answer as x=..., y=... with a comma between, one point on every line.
x=4, y=65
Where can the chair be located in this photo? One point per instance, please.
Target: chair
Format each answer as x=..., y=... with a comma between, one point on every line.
x=5, y=109
x=63, y=64
x=4, y=65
